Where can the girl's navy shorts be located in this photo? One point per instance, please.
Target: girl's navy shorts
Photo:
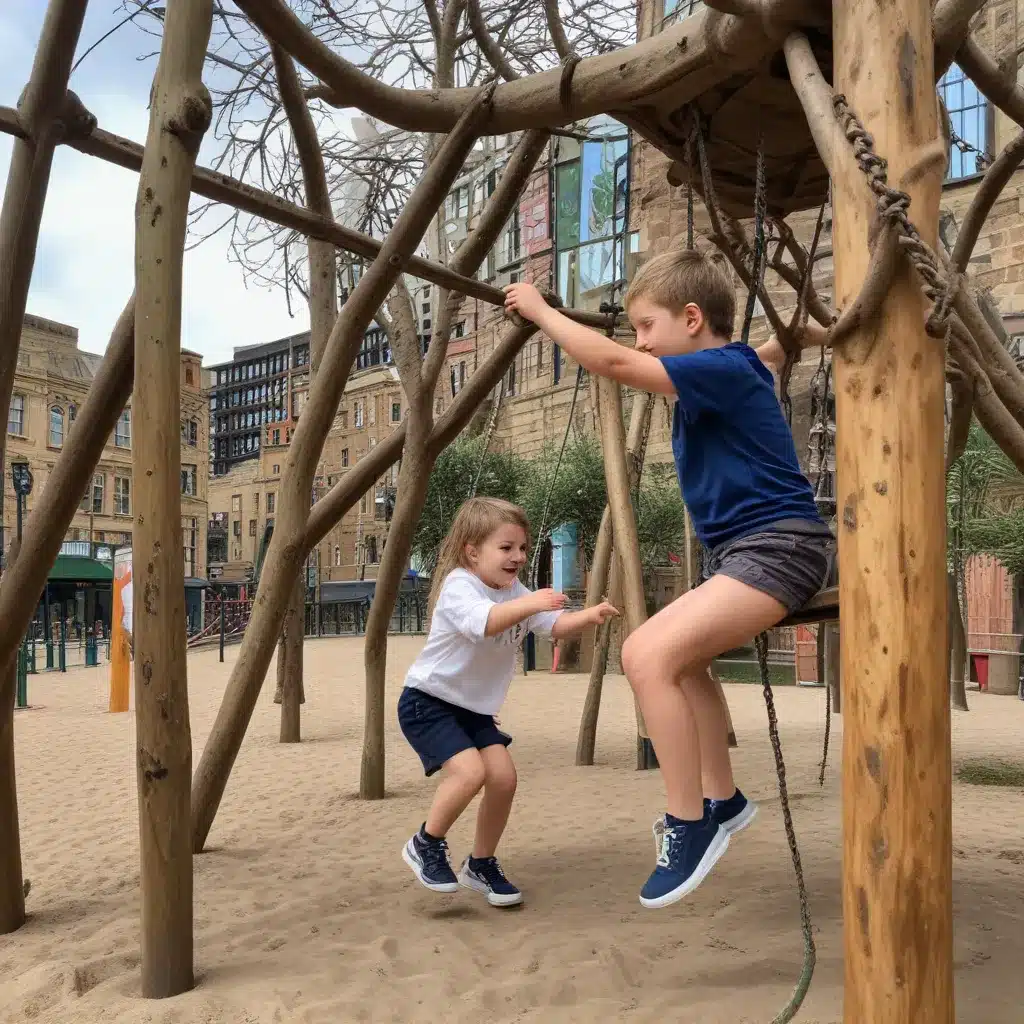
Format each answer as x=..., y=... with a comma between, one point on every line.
x=437, y=730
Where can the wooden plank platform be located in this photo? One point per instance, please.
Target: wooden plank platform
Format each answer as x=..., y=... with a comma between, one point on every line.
x=823, y=607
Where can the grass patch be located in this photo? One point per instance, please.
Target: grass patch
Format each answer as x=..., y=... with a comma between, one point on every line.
x=991, y=772
x=748, y=672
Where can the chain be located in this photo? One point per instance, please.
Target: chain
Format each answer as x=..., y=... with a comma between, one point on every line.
x=892, y=206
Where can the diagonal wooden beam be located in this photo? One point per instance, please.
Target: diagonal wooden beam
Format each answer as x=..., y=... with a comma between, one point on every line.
x=222, y=188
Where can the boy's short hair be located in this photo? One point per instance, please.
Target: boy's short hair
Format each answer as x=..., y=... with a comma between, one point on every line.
x=675, y=279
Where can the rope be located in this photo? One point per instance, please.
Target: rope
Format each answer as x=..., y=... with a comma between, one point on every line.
x=542, y=529
x=828, y=727
x=790, y=1010
x=689, y=208
x=492, y=419
x=892, y=207
x=760, y=250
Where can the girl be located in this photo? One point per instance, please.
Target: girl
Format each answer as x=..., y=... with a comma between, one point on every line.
x=455, y=687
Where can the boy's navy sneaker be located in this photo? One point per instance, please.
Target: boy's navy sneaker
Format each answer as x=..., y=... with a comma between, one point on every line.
x=689, y=850
x=734, y=814
x=484, y=874
x=428, y=859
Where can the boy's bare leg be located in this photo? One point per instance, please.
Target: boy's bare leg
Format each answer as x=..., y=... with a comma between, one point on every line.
x=713, y=733
x=461, y=779
x=499, y=791
x=687, y=722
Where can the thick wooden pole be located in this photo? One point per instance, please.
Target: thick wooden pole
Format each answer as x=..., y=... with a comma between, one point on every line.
x=180, y=112
x=28, y=178
x=626, y=543
x=897, y=838
x=601, y=572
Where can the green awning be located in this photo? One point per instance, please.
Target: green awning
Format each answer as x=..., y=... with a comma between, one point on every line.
x=80, y=568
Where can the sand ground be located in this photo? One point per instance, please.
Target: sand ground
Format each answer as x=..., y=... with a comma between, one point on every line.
x=304, y=911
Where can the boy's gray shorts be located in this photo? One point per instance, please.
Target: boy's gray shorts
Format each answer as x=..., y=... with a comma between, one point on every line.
x=790, y=560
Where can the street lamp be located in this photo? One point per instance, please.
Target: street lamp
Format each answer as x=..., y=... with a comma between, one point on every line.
x=21, y=477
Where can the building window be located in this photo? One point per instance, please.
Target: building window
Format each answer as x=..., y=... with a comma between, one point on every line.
x=344, y=458
x=123, y=430
x=510, y=380
x=72, y=413
x=590, y=221
x=188, y=480
x=457, y=203
x=252, y=527
x=122, y=496
x=396, y=412
x=277, y=468
x=362, y=505
x=359, y=415
x=337, y=555
x=513, y=241
x=236, y=503
x=190, y=377
x=970, y=119
x=462, y=374
x=371, y=550
x=188, y=543
x=98, y=483
x=455, y=380
x=678, y=10
x=56, y=437
x=16, y=416
x=460, y=329
x=271, y=503
x=236, y=528
x=343, y=419
x=190, y=433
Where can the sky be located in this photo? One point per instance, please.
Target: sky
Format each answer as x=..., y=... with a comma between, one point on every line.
x=84, y=262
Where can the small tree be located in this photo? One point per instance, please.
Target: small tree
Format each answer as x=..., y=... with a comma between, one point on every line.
x=467, y=460
x=661, y=515
x=980, y=521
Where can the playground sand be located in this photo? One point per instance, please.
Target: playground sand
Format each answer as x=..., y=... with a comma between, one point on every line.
x=305, y=912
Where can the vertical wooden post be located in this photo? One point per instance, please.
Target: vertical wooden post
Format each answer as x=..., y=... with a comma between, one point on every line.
x=39, y=110
x=180, y=112
x=626, y=544
x=897, y=837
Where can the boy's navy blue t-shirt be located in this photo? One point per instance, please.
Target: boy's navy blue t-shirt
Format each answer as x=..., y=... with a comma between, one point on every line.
x=734, y=452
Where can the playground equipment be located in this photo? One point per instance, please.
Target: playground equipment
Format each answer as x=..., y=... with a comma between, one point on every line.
x=875, y=133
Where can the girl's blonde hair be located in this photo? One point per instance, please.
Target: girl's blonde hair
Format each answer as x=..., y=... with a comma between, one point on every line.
x=475, y=521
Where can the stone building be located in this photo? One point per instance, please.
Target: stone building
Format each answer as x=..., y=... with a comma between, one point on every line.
x=596, y=206
x=52, y=380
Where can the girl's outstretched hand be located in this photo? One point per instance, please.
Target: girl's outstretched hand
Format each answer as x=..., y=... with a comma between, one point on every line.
x=601, y=612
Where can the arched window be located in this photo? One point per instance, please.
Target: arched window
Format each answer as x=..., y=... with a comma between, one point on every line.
x=56, y=427
x=337, y=555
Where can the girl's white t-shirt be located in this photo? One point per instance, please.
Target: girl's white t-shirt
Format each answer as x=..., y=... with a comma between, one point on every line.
x=459, y=663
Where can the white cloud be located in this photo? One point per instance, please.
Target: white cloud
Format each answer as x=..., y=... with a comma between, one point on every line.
x=84, y=264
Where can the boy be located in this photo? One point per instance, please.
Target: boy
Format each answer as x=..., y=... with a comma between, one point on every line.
x=751, y=507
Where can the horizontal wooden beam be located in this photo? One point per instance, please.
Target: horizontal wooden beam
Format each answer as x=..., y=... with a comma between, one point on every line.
x=221, y=188
x=823, y=607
